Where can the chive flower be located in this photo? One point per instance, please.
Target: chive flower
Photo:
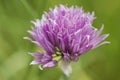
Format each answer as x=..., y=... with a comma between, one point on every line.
x=64, y=33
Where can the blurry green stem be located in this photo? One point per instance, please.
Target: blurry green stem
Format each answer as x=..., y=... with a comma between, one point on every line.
x=64, y=77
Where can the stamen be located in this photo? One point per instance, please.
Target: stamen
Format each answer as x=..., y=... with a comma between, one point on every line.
x=58, y=55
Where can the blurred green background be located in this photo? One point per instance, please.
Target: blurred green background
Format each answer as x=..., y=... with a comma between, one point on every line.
x=102, y=63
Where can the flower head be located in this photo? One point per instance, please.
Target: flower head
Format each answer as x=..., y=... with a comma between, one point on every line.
x=64, y=34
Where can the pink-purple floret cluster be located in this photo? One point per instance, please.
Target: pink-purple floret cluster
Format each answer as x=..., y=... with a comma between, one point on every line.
x=66, y=32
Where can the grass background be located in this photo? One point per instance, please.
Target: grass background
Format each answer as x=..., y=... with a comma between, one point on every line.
x=102, y=63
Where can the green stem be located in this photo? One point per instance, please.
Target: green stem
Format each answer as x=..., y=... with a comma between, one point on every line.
x=64, y=77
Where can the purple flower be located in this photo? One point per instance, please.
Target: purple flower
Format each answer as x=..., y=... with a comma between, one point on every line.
x=64, y=34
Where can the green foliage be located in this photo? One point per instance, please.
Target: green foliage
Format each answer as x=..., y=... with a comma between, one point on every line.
x=15, y=16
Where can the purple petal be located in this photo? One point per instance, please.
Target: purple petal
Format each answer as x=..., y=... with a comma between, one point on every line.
x=66, y=56
x=99, y=39
x=35, y=62
x=50, y=64
x=37, y=55
x=46, y=58
x=102, y=43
